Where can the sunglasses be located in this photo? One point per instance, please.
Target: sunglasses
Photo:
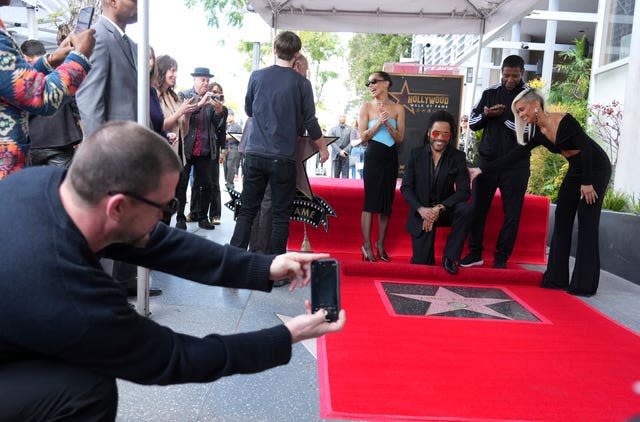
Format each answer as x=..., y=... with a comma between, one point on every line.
x=373, y=82
x=445, y=136
x=170, y=207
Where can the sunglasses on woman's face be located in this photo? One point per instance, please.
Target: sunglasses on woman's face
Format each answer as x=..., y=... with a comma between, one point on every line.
x=373, y=81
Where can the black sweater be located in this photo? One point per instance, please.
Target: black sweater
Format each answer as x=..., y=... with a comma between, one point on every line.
x=57, y=303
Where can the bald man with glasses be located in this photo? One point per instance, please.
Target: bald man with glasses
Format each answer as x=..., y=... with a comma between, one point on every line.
x=65, y=320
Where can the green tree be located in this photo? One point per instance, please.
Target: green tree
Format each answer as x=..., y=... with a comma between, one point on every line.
x=369, y=52
x=232, y=10
x=576, y=67
x=319, y=48
x=247, y=48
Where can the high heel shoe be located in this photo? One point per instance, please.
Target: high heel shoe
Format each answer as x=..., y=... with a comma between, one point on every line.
x=382, y=254
x=366, y=256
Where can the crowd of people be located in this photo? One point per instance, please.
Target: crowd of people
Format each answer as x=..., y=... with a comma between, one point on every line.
x=90, y=205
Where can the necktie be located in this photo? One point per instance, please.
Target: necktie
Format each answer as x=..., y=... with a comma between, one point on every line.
x=129, y=51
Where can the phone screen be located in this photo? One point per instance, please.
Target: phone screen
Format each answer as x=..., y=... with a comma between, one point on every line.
x=85, y=15
x=325, y=287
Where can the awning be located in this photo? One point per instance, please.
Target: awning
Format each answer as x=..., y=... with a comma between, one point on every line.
x=393, y=16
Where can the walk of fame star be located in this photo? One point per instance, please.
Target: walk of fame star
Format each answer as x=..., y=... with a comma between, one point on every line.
x=418, y=299
x=445, y=301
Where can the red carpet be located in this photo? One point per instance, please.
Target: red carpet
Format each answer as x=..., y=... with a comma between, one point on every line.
x=343, y=238
x=570, y=363
x=484, y=345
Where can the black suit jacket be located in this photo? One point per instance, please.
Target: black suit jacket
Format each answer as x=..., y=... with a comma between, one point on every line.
x=452, y=187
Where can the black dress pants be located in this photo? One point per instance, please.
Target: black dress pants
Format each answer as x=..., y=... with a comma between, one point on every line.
x=40, y=390
x=513, y=186
x=459, y=219
x=586, y=272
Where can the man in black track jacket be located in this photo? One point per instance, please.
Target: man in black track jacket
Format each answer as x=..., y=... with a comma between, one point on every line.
x=493, y=114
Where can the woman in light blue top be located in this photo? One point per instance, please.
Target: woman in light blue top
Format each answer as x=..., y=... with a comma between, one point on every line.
x=381, y=128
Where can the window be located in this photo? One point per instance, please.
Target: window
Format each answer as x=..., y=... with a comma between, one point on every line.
x=617, y=30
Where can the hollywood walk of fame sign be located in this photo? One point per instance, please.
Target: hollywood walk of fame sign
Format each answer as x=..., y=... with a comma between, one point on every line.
x=422, y=95
x=307, y=207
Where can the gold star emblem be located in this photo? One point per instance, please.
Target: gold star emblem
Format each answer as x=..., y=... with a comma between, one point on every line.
x=402, y=97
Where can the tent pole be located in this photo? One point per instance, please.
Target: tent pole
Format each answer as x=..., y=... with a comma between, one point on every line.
x=142, y=304
x=476, y=70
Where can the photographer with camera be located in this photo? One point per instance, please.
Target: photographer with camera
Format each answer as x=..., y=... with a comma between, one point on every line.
x=201, y=149
x=215, y=98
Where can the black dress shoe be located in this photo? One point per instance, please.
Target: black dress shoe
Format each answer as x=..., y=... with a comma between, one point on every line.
x=500, y=264
x=182, y=225
x=204, y=224
x=449, y=265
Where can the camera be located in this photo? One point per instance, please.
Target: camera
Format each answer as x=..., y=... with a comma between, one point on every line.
x=218, y=97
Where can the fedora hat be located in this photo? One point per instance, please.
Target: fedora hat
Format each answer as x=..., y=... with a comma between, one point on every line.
x=202, y=71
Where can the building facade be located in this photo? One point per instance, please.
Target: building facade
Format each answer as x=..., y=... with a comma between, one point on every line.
x=539, y=38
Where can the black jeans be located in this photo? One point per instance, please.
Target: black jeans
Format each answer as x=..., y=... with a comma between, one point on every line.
x=201, y=189
x=40, y=390
x=513, y=186
x=259, y=171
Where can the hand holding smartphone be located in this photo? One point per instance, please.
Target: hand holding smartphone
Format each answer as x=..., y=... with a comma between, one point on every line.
x=325, y=287
x=85, y=16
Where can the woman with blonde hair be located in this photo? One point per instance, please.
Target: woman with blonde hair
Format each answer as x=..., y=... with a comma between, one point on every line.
x=581, y=191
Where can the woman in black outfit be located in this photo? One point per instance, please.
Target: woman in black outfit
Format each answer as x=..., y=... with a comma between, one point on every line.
x=381, y=127
x=582, y=190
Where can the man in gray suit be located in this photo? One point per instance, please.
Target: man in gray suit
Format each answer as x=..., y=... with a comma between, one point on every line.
x=110, y=90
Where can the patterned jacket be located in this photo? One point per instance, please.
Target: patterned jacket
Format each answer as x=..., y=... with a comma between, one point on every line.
x=30, y=88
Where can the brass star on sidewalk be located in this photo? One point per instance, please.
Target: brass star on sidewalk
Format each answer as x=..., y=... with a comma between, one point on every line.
x=305, y=150
x=445, y=301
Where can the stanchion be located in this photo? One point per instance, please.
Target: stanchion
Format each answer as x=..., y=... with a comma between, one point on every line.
x=306, y=245
x=142, y=304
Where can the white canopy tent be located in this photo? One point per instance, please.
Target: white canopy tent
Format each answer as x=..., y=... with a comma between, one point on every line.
x=393, y=16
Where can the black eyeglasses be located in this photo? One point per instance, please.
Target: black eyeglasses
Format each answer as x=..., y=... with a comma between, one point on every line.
x=170, y=207
x=373, y=81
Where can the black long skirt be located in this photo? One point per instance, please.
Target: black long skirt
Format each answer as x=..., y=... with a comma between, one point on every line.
x=380, y=175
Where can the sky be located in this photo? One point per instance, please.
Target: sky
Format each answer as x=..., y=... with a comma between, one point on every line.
x=183, y=34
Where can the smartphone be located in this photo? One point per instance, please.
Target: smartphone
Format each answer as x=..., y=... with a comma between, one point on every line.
x=325, y=287
x=85, y=16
